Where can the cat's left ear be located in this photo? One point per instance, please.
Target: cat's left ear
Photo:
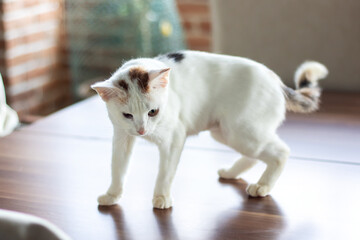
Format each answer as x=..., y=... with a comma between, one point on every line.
x=159, y=78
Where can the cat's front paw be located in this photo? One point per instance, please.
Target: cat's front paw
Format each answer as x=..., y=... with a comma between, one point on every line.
x=224, y=173
x=108, y=199
x=257, y=190
x=162, y=202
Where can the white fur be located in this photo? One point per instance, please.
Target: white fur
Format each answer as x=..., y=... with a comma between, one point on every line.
x=313, y=71
x=239, y=100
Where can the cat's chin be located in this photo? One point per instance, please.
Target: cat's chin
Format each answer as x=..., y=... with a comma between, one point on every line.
x=139, y=135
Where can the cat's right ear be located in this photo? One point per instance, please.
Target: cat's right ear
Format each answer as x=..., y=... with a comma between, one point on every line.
x=105, y=90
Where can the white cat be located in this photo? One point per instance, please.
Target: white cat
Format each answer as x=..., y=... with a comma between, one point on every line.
x=167, y=98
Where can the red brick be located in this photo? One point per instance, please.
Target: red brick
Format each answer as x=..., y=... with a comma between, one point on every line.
x=51, y=69
x=192, y=8
x=199, y=43
x=192, y=1
x=20, y=4
x=59, y=98
x=196, y=22
x=205, y=27
x=187, y=25
x=2, y=62
x=53, y=94
x=47, y=53
x=19, y=23
x=47, y=86
x=33, y=100
x=31, y=38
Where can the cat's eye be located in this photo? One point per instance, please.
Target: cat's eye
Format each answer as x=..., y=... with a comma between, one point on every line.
x=153, y=112
x=128, y=115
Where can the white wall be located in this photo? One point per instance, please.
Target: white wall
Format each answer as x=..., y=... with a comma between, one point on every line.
x=283, y=33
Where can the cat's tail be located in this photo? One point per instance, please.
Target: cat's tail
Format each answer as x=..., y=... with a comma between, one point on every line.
x=306, y=97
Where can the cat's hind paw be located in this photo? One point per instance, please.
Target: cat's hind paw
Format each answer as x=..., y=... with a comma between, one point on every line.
x=224, y=173
x=162, y=202
x=257, y=190
x=107, y=199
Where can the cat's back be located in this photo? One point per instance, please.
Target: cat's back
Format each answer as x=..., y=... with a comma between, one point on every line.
x=211, y=87
x=197, y=66
x=195, y=61
x=194, y=72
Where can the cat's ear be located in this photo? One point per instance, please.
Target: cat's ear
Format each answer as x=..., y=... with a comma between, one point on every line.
x=159, y=78
x=105, y=90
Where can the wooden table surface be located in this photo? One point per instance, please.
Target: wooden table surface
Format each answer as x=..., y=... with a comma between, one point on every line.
x=56, y=168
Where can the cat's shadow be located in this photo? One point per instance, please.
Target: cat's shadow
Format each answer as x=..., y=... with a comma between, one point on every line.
x=163, y=219
x=255, y=218
x=117, y=215
x=165, y=223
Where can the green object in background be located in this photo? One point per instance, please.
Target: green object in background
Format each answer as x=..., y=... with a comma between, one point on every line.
x=104, y=33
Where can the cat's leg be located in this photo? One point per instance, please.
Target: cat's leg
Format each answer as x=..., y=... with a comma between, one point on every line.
x=274, y=154
x=265, y=147
x=240, y=166
x=121, y=151
x=218, y=136
x=170, y=152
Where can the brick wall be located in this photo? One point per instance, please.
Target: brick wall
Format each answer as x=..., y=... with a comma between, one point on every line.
x=195, y=18
x=31, y=60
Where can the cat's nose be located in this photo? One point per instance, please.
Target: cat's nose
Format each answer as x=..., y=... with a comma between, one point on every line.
x=141, y=131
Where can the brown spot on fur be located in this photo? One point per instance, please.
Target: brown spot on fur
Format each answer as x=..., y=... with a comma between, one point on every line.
x=304, y=83
x=122, y=84
x=141, y=76
x=178, y=57
x=302, y=100
x=123, y=100
x=312, y=93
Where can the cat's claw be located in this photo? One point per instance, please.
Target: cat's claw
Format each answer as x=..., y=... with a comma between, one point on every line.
x=162, y=202
x=108, y=199
x=224, y=173
x=257, y=190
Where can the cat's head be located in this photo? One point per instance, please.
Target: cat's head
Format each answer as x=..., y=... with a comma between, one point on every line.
x=135, y=98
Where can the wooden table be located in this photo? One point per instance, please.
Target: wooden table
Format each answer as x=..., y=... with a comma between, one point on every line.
x=56, y=168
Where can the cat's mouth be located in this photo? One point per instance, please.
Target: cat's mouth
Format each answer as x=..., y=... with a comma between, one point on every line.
x=139, y=134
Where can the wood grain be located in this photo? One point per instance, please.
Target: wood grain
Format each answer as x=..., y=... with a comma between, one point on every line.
x=56, y=168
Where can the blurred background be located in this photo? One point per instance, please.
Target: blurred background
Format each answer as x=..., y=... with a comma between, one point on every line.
x=52, y=50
